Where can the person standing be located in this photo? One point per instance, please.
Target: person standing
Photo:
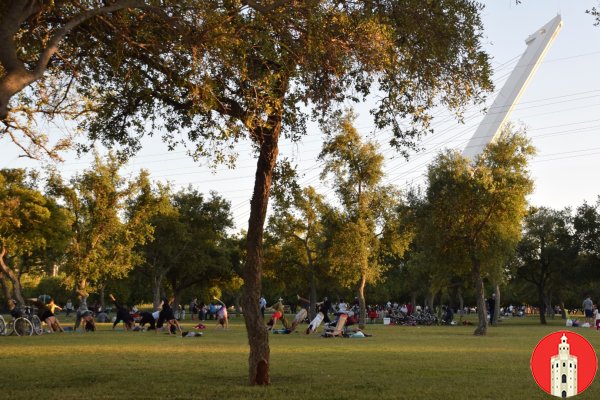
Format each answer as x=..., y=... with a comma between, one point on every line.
x=194, y=307
x=52, y=306
x=69, y=307
x=263, y=305
x=588, y=307
x=492, y=307
x=409, y=308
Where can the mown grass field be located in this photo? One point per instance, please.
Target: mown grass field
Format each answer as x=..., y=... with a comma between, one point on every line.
x=437, y=362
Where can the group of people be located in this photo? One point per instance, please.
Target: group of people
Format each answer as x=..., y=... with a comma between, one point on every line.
x=204, y=311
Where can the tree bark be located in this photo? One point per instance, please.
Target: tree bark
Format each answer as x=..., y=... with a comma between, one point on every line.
x=413, y=298
x=156, y=291
x=462, y=304
x=496, y=305
x=549, y=308
x=6, y=291
x=542, y=302
x=313, y=295
x=361, y=303
x=13, y=279
x=102, y=305
x=429, y=300
x=236, y=302
x=259, y=359
x=562, y=306
x=480, y=297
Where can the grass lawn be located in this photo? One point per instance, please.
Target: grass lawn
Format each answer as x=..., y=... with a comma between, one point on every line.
x=437, y=362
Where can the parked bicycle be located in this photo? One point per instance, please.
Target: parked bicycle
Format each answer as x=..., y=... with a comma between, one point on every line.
x=20, y=325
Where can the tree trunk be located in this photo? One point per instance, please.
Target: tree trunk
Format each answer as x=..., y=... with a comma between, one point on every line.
x=496, y=305
x=236, y=302
x=313, y=295
x=259, y=359
x=480, y=298
x=429, y=300
x=413, y=299
x=6, y=291
x=156, y=291
x=362, y=323
x=462, y=305
x=549, y=308
x=439, y=296
x=102, y=305
x=13, y=279
x=542, y=305
x=562, y=306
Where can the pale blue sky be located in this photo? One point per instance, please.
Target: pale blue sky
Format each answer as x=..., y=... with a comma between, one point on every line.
x=561, y=107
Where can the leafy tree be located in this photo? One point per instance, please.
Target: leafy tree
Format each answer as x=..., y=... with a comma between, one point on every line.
x=108, y=217
x=205, y=259
x=296, y=226
x=365, y=226
x=474, y=211
x=29, y=223
x=250, y=84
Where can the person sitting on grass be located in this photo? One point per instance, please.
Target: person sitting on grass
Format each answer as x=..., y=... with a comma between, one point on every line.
x=279, y=314
x=122, y=315
x=47, y=316
x=83, y=314
x=222, y=316
x=167, y=315
x=103, y=317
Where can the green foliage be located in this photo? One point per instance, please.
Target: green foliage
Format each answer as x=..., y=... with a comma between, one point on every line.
x=108, y=217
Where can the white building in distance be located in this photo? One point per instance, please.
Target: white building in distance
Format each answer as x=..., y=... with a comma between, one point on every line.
x=563, y=367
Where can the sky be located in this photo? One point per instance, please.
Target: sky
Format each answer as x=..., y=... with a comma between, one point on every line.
x=560, y=107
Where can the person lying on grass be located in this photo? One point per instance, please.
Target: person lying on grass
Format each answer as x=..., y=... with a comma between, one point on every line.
x=122, y=315
x=222, y=315
x=279, y=314
x=167, y=315
x=83, y=314
x=47, y=316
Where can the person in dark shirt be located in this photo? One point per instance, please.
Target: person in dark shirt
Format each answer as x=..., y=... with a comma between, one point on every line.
x=149, y=318
x=122, y=315
x=167, y=315
x=492, y=307
x=325, y=307
x=46, y=315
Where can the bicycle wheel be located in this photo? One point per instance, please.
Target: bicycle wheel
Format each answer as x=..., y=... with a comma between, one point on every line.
x=2, y=326
x=37, y=325
x=23, y=327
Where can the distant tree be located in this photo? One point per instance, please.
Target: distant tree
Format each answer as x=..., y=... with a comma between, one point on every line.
x=475, y=208
x=365, y=225
x=109, y=216
x=296, y=225
x=29, y=222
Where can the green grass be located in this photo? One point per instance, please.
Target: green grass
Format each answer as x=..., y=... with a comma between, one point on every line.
x=438, y=362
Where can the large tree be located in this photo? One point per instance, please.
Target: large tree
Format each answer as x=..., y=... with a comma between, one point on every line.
x=268, y=61
x=475, y=208
x=545, y=250
x=365, y=225
x=109, y=216
x=29, y=222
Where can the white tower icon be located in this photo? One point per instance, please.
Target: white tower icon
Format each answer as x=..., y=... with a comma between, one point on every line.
x=563, y=367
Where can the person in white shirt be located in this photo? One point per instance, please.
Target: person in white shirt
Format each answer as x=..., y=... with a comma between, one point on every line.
x=403, y=309
x=263, y=305
x=597, y=318
x=343, y=306
x=395, y=305
x=389, y=304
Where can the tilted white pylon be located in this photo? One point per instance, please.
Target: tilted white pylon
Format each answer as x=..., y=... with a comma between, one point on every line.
x=537, y=46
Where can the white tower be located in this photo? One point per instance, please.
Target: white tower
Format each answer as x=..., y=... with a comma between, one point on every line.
x=537, y=46
x=563, y=367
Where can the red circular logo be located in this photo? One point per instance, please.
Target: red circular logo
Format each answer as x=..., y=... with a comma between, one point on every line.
x=564, y=364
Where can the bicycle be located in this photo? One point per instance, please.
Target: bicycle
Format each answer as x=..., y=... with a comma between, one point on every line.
x=36, y=323
x=19, y=325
